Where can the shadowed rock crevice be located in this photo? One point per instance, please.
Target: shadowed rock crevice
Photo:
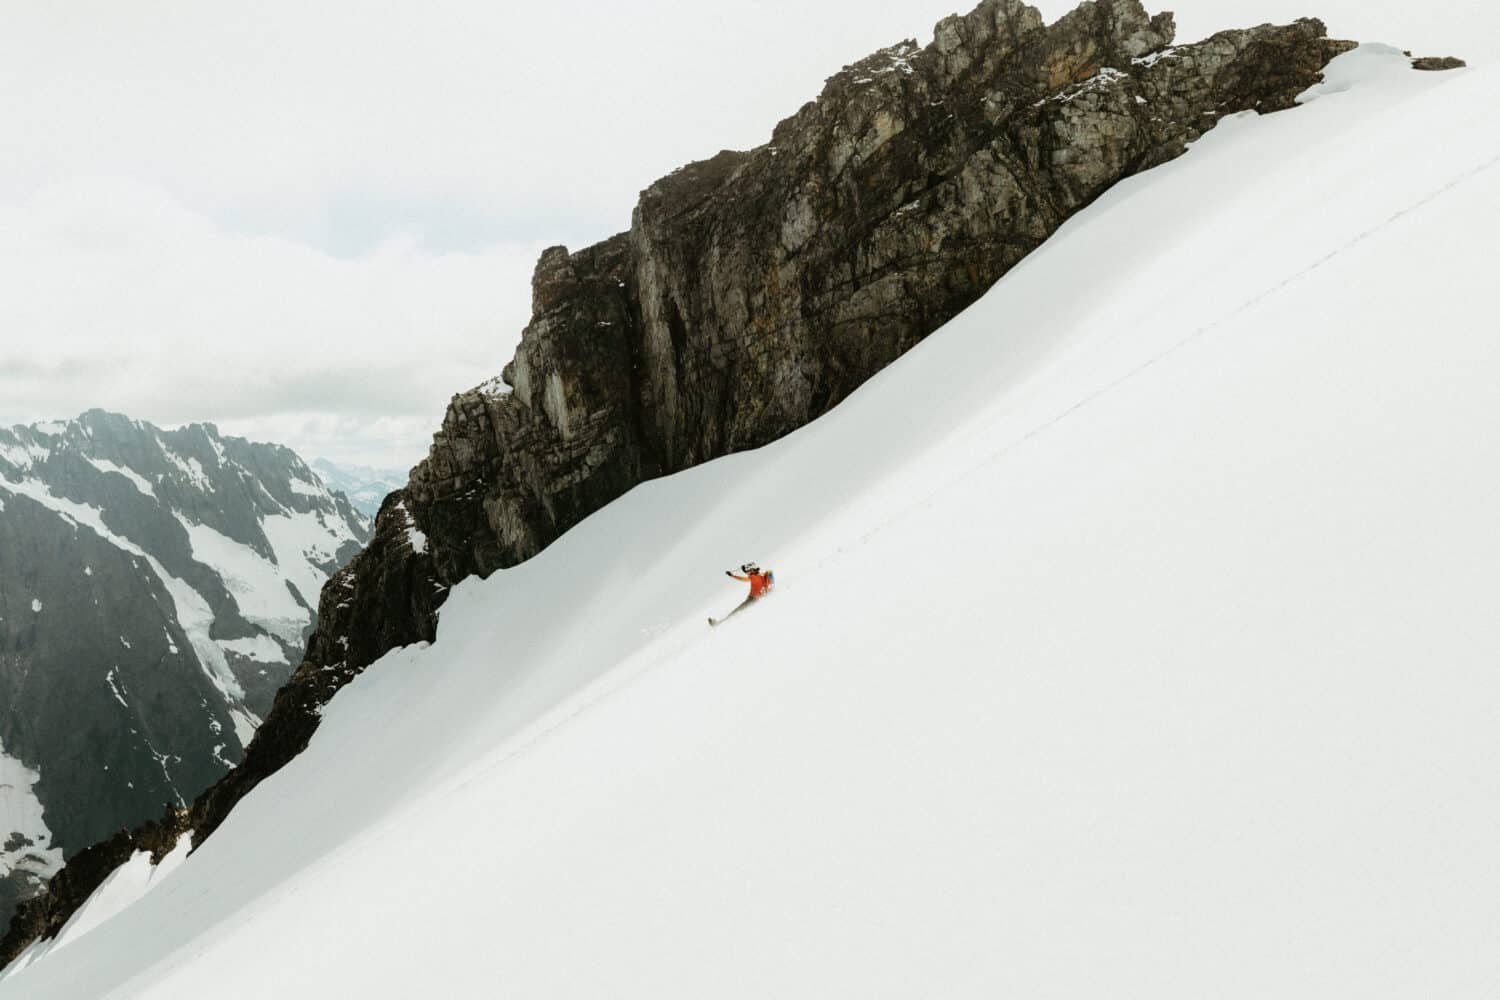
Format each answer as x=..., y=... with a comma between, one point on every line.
x=755, y=290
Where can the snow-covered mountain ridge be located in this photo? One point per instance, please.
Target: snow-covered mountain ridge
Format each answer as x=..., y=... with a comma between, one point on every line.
x=1154, y=656
x=755, y=290
x=752, y=293
x=365, y=486
x=156, y=587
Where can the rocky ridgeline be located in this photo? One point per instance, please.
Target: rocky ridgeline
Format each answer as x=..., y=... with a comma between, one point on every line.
x=755, y=290
x=156, y=590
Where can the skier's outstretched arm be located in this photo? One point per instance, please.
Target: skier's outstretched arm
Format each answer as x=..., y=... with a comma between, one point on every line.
x=732, y=576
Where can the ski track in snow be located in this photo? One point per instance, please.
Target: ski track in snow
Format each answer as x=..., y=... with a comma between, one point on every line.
x=1244, y=307
x=618, y=680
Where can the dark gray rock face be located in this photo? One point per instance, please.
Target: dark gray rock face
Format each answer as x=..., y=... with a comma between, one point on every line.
x=156, y=588
x=755, y=290
x=1437, y=63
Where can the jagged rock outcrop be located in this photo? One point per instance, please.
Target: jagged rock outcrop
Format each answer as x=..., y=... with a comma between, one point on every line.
x=156, y=589
x=1437, y=63
x=755, y=290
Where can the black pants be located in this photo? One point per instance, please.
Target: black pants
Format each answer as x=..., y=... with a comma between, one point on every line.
x=747, y=602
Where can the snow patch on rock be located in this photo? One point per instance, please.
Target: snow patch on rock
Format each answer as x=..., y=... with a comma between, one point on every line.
x=256, y=582
x=140, y=482
x=25, y=840
x=261, y=648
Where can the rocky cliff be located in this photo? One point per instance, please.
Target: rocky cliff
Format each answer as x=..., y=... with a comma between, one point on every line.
x=755, y=290
x=156, y=589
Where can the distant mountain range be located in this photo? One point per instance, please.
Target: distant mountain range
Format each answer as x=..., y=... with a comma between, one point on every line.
x=365, y=487
x=156, y=589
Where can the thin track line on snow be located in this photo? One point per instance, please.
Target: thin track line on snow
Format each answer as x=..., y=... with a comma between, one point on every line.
x=607, y=686
x=1177, y=346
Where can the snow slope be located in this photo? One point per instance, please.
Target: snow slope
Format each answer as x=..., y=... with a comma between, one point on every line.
x=124, y=886
x=1136, y=636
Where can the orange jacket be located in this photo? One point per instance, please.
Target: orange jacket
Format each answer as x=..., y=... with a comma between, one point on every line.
x=759, y=582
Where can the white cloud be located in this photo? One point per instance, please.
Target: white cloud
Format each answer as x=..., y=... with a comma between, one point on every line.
x=134, y=303
x=534, y=116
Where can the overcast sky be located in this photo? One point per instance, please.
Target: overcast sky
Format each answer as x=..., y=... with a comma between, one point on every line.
x=313, y=223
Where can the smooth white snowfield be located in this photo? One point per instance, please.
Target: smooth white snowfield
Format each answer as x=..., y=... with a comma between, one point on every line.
x=1137, y=636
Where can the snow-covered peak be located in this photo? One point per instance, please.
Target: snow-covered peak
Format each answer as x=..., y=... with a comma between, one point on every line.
x=1133, y=642
x=365, y=486
x=156, y=588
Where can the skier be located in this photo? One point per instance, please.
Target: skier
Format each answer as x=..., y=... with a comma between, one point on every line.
x=761, y=583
